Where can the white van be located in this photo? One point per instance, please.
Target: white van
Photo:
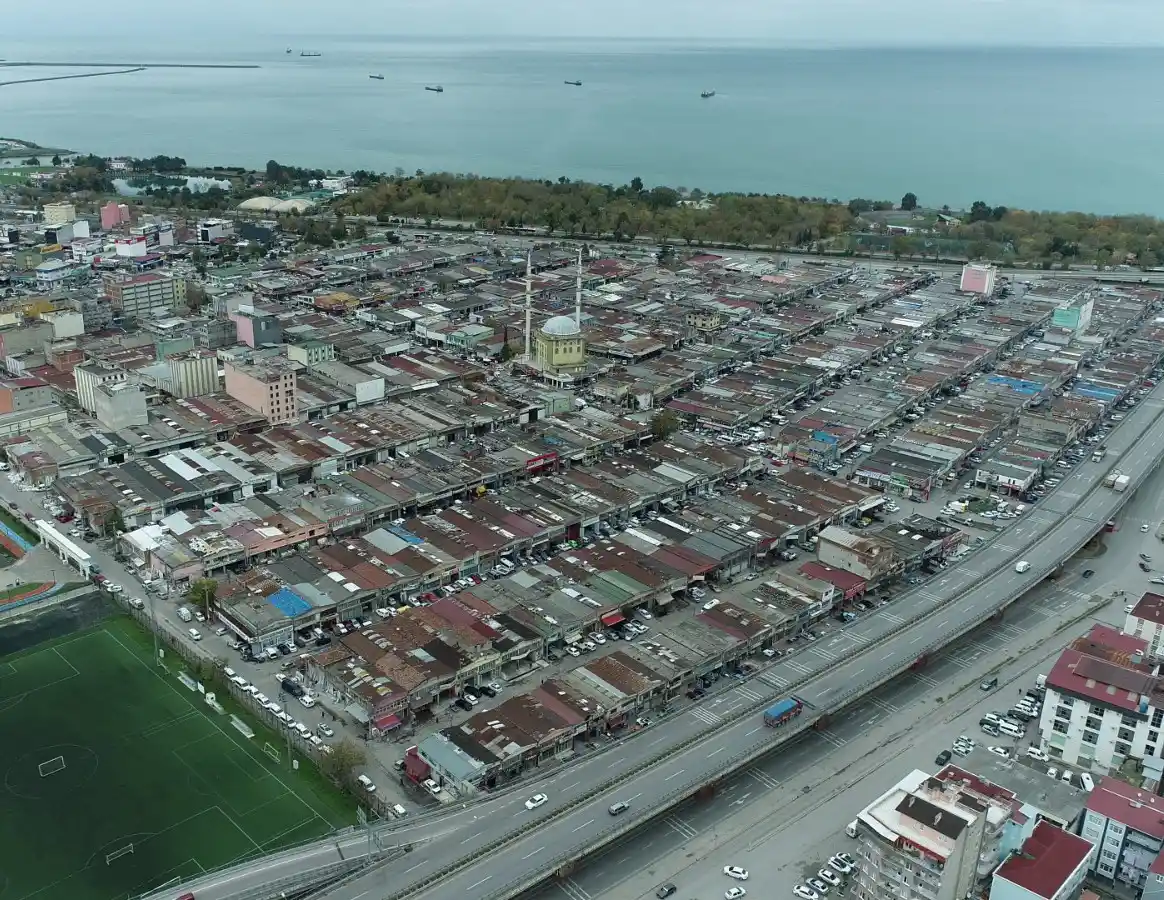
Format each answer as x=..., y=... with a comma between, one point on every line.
x=184, y=614
x=307, y=700
x=1022, y=566
x=1087, y=782
x=195, y=634
x=399, y=811
x=851, y=829
x=1010, y=729
x=366, y=784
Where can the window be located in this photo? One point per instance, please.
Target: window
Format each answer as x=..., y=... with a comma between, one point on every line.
x=1128, y=722
x=1094, y=723
x=1122, y=749
x=1063, y=713
x=1108, y=854
x=1066, y=701
x=1126, y=734
x=1157, y=717
x=1090, y=737
x=1154, y=736
x=1150, y=749
x=1059, y=726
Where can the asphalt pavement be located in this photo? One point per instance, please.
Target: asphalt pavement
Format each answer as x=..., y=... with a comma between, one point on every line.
x=716, y=734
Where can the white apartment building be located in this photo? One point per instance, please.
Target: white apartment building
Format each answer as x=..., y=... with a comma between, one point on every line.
x=1146, y=621
x=1126, y=825
x=932, y=842
x=89, y=377
x=59, y=213
x=1104, y=702
x=1050, y=865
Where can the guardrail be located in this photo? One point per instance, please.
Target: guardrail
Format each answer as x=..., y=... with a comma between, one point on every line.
x=765, y=747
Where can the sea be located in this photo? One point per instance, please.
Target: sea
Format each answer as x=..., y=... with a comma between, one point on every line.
x=1056, y=129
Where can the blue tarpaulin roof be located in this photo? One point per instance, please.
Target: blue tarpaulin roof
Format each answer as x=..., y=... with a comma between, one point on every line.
x=289, y=603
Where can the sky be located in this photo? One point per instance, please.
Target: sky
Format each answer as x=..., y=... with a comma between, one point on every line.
x=846, y=23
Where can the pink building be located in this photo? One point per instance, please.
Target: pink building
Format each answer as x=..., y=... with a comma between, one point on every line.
x=978, y=279
x=256, y=329
x=114, y=214
x=268, y=387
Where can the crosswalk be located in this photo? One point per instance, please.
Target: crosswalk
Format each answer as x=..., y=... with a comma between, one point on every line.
x=797, y=666
x=830, y=655
x=681, y=827
x=573, y=889
x=883, y=705
x=775, y=680
x=749, y=694
x=762, y=777
x=706, y=715
x=830, y=738
x=891, y=617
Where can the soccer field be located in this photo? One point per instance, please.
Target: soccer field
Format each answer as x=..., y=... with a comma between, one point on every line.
x=155, y=785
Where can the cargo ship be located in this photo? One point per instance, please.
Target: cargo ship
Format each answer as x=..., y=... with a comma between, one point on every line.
x=575, y=83
x=435, y=88
x=707, y=94
x=305, y=53
x=377, y=77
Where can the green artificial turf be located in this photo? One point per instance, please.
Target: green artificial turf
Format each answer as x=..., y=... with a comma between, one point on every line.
x=146, y=763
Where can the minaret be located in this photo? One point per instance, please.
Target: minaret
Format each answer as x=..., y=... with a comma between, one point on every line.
x=578, y=294
x=528, y=287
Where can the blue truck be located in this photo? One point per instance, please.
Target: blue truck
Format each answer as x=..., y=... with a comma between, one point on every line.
x=782, y=711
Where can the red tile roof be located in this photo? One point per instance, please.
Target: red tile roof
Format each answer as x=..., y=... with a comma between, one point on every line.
x=843, y=581
x=1048, y=859
x=1150, y=607
x=1118, y=800
x=1107, y=667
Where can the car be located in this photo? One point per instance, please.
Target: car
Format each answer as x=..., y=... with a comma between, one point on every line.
x=586, y=646
x=573, y=651
x=1000, y=751
x=1144, y=567
x=1157, y=579
x=839, y=865
x=829, y=877
x=736, y=872
x=464, y=704
x=847, y=858
x=710, y=604
x=431, y=786
x=1037, y=754
x=989, y=684
x=643, y=722
x=942, y=758
x=1144, y=528
x=805, y=893
x=487, y=690
x=619, y=808
x=1145, y=557
x=817, y=885
x=535, y=801
x=666, y=890
x=597, y=637
x=734, y=893
x=1087, y=573
x=325, y=730
x=1053, y=773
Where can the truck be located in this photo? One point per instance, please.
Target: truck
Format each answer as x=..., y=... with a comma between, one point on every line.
x=1109, y=480
x=184, y=614
x=1098, y=454
x=1121, y=483
x=782, y=711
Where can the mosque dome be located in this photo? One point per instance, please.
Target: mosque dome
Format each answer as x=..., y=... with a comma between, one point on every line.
x=561, y=326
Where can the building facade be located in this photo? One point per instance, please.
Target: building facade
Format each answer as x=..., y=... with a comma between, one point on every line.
x=267, y=387
x=59, y=213
x=1126, y=825
x=145, y=296
x=89, y=377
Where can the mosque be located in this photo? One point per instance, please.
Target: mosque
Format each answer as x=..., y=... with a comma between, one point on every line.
x=559, y=347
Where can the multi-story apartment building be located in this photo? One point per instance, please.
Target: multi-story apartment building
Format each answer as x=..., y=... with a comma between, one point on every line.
x=1146, y=621
x=1050, y=865
x=1104, y=702
x=929, y=839
x=266, y=386
x=1126, y=825
x=59, y=213
x=144, y=296
x=89, y=377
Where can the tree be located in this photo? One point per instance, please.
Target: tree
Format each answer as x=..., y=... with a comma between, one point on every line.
x=979, y=211
x=909, y=201
x=664, y=424
x=201, y=594
x=636, y=185
x=195, y=296
x=57, y=160
x=340, y=765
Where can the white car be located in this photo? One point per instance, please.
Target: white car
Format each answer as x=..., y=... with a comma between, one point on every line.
x=710, y=604
x=1144, y=529
x=432, y=787
x=736, y=872
x=573, y=651
x=829, y=877
x=597, y=638
x=1037, y=753
x=535, y=801
x=1000, y=751
x=839, y=865
x=805, y=893
x=734, y=893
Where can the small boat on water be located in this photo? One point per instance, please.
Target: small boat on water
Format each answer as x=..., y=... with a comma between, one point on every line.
x=305, y=53
x=575, y=83
x=377, y=77
x=707, y=94
x=288, y=49
x=435, y=88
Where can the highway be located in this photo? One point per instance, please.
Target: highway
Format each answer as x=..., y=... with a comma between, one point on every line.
x=458, y=855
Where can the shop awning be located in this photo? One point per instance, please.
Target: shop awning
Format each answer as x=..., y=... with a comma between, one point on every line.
x=388, y=722
x=613, y=618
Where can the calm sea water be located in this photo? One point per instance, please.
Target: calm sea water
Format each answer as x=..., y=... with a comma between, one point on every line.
x=1043, y=129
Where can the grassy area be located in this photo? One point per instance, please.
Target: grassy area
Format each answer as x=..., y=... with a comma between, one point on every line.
x=19, y=174
x=18, y=525
x=155, y=784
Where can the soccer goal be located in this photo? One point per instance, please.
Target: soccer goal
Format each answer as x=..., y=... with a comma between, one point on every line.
x=117, y=854
x=271, y=752
x=52, y=766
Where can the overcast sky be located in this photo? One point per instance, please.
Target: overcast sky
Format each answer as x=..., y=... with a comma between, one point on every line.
x=773, y=22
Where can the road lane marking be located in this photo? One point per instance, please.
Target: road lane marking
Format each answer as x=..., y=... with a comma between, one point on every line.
x=753, y=731
x=417, y=866
x=479, y=883
x=674, y=774
x=887, y=656
x=714, y=752
x=535, y=853
x=470, y=837
x=574, y=785
x=583, y=825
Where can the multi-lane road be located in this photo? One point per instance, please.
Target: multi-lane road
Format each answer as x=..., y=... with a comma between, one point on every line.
x=457, y=855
